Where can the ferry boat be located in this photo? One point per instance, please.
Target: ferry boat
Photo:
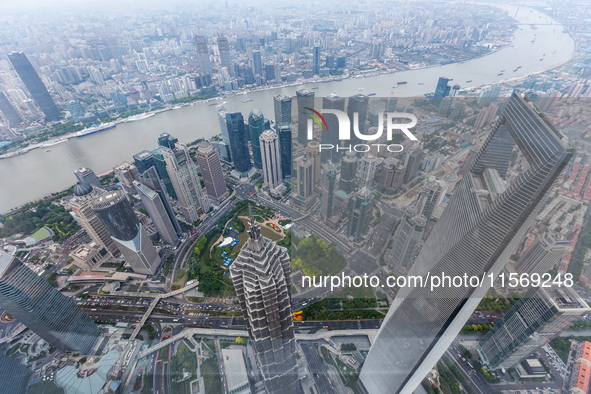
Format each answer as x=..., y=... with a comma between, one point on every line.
x=139, y=117
x=372, y=94
x=402, y=83
x=315, y=87
x=421, y=83
x=468, y=81
x=499, y=74
x=93, y=130
x=47, y=150
x=247, y=101
x=54, y=142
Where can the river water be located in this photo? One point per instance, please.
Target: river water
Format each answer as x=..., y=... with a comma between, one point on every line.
x=38, y=173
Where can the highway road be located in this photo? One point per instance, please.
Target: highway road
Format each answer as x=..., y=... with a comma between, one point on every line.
x=318, y=369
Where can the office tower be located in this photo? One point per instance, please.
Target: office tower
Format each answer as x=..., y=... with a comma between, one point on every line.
x=406, y=240
x=43, y=309
x=75, y=109
x=485, y=116
x=261, y=277
x=331, y=136
x=271, y=156
x=391, y=176
x=330, y=61
x=222, y=112
x=316, y=61
x=160, y=164
x=8, y=110
x=282, y=107
x=305, y=177
x=432, y=163
x=13, y=374
x=543, y=254
x=166, y=140
x=328, y=189
x=256, y=125
x=86, y=175
x=118, y=217
x=413, y=164
x=305, y=99
x=211, y=172
x=360, y=216
x=82, y=211
x=270, y=72
x=442, y=89
x=537, y=318
x=366, y=170
x=157, y=211
x=313, y=153
x=257, y=63
x=348, y=172
x=143, y=161
x=225, y=58
x=151, y=179
x=431, y=196
x=238, y=143
x=357, y=112
x=476, y=234
x=126, y=173
x=285, y=146
x=203, y=56
x=185, y=181
x=488, y=95
x=31, y=79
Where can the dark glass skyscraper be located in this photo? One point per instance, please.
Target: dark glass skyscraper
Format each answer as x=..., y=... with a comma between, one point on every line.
x=225, y=57
x=476, y=234
x=203, y=56
x=305, y=99
x=8, y=110
x=160, y=165
x=331, y=136
x=13, y=374
x=238, y=142
x=282, y=107
x=143, y=161
x=166, y=140
x=256, y=125
x=316, y=61
x=359, y=104
x=257, y=63
x=442, y=89
x=33, y=82
x=43, y=309
x=285, y=147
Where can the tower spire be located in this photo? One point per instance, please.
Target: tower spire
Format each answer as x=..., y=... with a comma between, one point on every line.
x=255, y=231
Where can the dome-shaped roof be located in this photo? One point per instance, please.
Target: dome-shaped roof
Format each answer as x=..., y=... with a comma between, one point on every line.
x=82, y=189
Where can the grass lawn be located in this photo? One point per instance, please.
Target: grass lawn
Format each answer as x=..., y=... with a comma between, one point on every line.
x=211, y=376
x=562, y=347
x=315, y=256
x=183, y=360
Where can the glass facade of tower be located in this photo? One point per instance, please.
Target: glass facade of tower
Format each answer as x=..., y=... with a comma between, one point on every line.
x=305, y=99
x=285, y=147
x=238, y=142
x=256, y=126
x=116, y=214
x=475, y=234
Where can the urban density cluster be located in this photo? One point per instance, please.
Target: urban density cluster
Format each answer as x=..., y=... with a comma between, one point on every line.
x=183, y=270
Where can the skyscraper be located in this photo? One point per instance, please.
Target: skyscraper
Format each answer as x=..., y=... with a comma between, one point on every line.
x=271, y=157
x=225, y=58
x=166, y=140
x=157, y=211
x=285, y=146
x=31, y=79
x=357, y=111
x=211, y=172
x=348, y=172
x=331, y=136
x=543, y=254
x=305, y=177
x=476, y=234
x=282, y=107
x=238, y=143
x=391, y=177
x=222, y=112
x=256, y=125
x=126, y=173
x=118, y=217
x=406, y=240
x=203, y=56
x=13, y=374
x=360, y=216
x=328, y=189
x=86, y=175
x=257, y=63
x=43, y=309
x=143, y=161
x=431, y=195
x=185, y=180
x=8, y=110
x=313, y=153
x=443, y=88
x=413, y=164
x=160, y=165
x=316, y=61
x=305, y=99
x=82, y=211
x=537, y=318
x=261, y=277
x=366, y=170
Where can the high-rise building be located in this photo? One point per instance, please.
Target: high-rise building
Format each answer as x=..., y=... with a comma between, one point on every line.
x=13, y=375
x=257, y=63
x=86, y=175
x=537, y=318
x=160, y=165
x=442, y=89
x=357, y=111
x=488, y=95
x=166, y=140
x=328, y=190
x=366, y=170
x=305, y=177
x=271, y=157
x=238, y=143
x=348, y=172
x=43, y=309
x=82, y=211
x=143, y=161
x=225, y=58
x=75, y=109
x=360, y=215
x=413, y=164
x=543, y=254
x=211, y=172
x=256, y=126
x=185, y=180
x=282, y=108
x=115, y=212
x=476, y=234
x=285, y=146
x=391, y=177
x=126, y=173
x=157, y=211
x=33, y=82
x=406, y=241
x=431, y=196
x=8, y=110
x=316, y=61
x=203, y=56
x=331, y=136
x=222, y=112
x=305, y=99
x=313, y=153
x=261, y=277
